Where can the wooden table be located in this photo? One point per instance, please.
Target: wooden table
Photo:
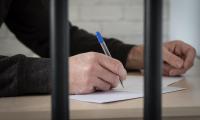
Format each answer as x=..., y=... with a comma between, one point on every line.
x=181, y=105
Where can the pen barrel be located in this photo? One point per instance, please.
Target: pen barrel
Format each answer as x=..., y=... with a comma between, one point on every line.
x=105, y=49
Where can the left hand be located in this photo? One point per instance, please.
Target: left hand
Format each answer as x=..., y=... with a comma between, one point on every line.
x=178, y=57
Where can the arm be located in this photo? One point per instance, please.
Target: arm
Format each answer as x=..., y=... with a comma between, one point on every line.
x=82, y=41
x=30, y=23
x=20, y=75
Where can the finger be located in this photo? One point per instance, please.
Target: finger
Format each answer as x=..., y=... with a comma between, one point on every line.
x=100, y=84
x=189, y=58
x=171, y=71
x=85, y=90
x=177, y=51
x=107, y=76
x=188, y=52
x=176, y=72
x=166, y=69
x=172, y=59
x=113, y=65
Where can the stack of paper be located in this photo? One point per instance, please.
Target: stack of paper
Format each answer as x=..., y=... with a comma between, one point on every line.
x=133, y=89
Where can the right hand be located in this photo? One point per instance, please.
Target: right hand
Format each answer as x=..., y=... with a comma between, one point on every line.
x=93, y=71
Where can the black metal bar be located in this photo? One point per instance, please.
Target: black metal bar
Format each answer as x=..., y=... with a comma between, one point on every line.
x=59, y=53
x=153, y=60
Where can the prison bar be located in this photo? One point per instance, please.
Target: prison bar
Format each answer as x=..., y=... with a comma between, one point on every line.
x=152, y=59
x=153, y=62
x=59, y=34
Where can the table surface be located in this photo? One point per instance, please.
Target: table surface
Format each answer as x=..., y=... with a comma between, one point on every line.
x=180, y=103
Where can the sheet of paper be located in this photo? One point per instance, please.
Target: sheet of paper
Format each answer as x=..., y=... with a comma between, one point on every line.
x=139, y=80
x=136, y=83
x=133, y=89
x=116, y=95
x=105, y=97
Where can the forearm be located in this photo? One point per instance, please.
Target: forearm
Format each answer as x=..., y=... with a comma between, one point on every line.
x=135, y=59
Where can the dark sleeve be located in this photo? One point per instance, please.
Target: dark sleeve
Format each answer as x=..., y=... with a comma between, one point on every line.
x=82, y=41
x=29, y=21
x=20, y=75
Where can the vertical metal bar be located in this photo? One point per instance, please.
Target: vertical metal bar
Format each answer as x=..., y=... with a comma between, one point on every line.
x=59, y=53
x=153, y=60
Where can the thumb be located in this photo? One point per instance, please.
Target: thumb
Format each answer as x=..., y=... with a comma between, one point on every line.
x=172, y=59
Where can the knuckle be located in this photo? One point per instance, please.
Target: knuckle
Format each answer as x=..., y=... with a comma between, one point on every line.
x=178, y=42
x=93, y=56
x=118, y=65
x=90, y=69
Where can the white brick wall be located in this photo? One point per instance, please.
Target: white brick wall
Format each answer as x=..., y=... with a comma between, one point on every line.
x=122, y=19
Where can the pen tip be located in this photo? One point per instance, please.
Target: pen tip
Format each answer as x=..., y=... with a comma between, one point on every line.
x=122, y=83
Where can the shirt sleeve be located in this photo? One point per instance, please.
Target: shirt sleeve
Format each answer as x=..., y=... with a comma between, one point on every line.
x=29, y=21
x=82, y=41
x=20, y=75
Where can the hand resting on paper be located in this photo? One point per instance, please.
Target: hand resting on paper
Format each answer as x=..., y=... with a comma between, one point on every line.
x=178, y=57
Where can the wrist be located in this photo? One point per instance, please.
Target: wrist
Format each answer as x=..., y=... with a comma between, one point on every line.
x=135, y=58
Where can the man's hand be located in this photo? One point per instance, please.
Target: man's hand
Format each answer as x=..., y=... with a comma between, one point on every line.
x=178, y=57
x=94, y=71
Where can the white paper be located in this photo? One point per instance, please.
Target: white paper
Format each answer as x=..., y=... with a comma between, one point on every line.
x=105, y=97
x=139, y=81
x=133, y=89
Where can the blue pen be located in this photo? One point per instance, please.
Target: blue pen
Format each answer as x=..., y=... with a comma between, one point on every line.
x=104, y=47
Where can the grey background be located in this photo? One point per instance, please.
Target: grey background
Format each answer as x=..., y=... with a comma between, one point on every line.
x=185, y=22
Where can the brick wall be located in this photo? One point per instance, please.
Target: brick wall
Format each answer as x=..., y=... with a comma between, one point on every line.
x=122, y=19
